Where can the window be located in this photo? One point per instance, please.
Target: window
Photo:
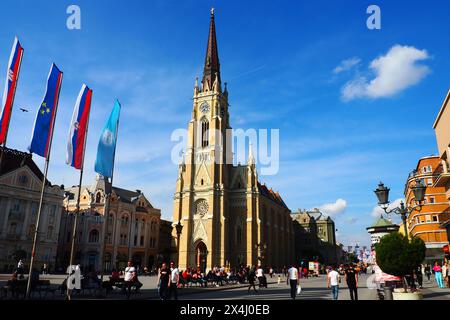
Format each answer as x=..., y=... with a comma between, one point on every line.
x=431, y=199
x=108, y=238
x=427, y=169
x=205, y=132
x=135, y=241
x=68, y=236
x=93, y=236
x=23, y=179
x=428, y=218
x=141, y=243
x=429, y=182
x=239, y=235
x=12, y=228
x=98, y=197
x=49, y=233
x=435, y=218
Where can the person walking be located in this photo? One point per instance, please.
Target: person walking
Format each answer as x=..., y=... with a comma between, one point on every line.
x=427, y=270
x=293, y=280
x=444, y=273
x=174, y=281
x=20, y=268
x=271, y=272
x=438, y=275
x=260, y=276
x=251, y=279
x=351, y=277
x=333, y=279
x=419, y=276
x=163, y=281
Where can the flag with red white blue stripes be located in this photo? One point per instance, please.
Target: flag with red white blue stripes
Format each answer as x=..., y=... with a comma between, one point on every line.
x=12, y=75
x=78, y=128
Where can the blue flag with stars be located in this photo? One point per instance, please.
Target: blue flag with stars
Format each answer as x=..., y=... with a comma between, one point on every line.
x=45, y=118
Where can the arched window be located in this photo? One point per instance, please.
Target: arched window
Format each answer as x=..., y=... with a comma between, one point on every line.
x=205, y=132
x=98, y=197
x=93, y=236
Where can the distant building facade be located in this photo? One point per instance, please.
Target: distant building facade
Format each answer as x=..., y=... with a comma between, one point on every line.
x=315, y=237
x=132, y=231
x=425, y=223
x=20, y=188
x=442, y=129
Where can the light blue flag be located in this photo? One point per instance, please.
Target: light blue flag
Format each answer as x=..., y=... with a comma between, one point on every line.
x=104, y=164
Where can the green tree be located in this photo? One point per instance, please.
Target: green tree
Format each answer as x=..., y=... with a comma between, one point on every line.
x=398, y=256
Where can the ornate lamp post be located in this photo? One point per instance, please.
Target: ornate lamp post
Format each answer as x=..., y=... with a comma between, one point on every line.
x=382, y=193
x=261, y=247
x=179, y=229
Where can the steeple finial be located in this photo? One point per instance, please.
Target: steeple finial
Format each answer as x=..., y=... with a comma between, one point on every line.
x=196, y=86
x=212, y=64
x=251, y=158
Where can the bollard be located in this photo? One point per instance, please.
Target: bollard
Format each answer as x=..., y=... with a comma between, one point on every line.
x=279, y=279
x=388, y=293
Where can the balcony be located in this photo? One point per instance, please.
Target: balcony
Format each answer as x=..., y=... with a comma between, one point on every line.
x=442, y=180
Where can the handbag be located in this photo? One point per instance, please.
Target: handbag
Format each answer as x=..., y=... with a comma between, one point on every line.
x=299, y=289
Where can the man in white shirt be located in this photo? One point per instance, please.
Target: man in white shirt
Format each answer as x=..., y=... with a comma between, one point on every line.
x=292, y=279
x=333, y=280
x=130, y=278
x=174, y=280
x=260, y=276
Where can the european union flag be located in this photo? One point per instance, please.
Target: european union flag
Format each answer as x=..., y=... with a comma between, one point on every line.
x=45, y=118
x=104, y=163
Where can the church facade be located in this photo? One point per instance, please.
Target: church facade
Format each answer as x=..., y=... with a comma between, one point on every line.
x=229, y=218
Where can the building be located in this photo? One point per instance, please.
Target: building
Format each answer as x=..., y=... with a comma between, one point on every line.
x=20, y=190
x=425, y=223
x=315, y=237
x=132, y=229
x=166, y=244
x=442, y=131
x=228, y=216
x=381, y=228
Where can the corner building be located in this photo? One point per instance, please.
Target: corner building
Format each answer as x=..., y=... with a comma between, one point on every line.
x=228, y=217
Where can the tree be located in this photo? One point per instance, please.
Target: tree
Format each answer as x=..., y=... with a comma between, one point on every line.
x=352, y=258
x=398, y=256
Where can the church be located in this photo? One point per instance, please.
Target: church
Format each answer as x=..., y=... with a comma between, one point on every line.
x=228, y=216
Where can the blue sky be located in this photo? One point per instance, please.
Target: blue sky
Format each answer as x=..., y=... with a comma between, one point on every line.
x=303, y=67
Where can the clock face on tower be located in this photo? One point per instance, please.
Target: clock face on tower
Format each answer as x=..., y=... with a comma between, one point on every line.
x=204, y=107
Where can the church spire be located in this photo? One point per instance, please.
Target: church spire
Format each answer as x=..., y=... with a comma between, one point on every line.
x=211, y=70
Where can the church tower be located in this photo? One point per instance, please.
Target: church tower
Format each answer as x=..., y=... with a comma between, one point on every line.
x=200, y=198
x=228, y=218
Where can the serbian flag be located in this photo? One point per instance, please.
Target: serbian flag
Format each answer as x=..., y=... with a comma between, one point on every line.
x=45, y=118
x=12, y=75
x=78, y=128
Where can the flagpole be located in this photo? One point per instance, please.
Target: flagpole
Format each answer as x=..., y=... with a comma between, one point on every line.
x=74, y=232
x=77, y=212
x=107, y=205
x=47, y=161
x=12, y=103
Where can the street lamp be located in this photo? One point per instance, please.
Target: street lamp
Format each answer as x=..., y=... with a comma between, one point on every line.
x=179, y=228
x=382, y=194
x=262, y=249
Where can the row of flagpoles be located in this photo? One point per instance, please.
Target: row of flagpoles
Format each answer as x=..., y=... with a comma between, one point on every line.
x=42, y=135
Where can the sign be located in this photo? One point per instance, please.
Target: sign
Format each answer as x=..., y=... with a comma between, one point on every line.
x=311, y=266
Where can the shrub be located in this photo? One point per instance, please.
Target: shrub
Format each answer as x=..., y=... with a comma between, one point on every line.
x=398, y=256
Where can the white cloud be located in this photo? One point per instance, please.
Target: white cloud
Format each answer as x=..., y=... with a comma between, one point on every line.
x=346, y=65
x=394, y=72
x=333, y=209
x=377, y=210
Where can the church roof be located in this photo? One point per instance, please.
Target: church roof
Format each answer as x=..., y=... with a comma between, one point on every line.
x=269, y=193
x=15, y=159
